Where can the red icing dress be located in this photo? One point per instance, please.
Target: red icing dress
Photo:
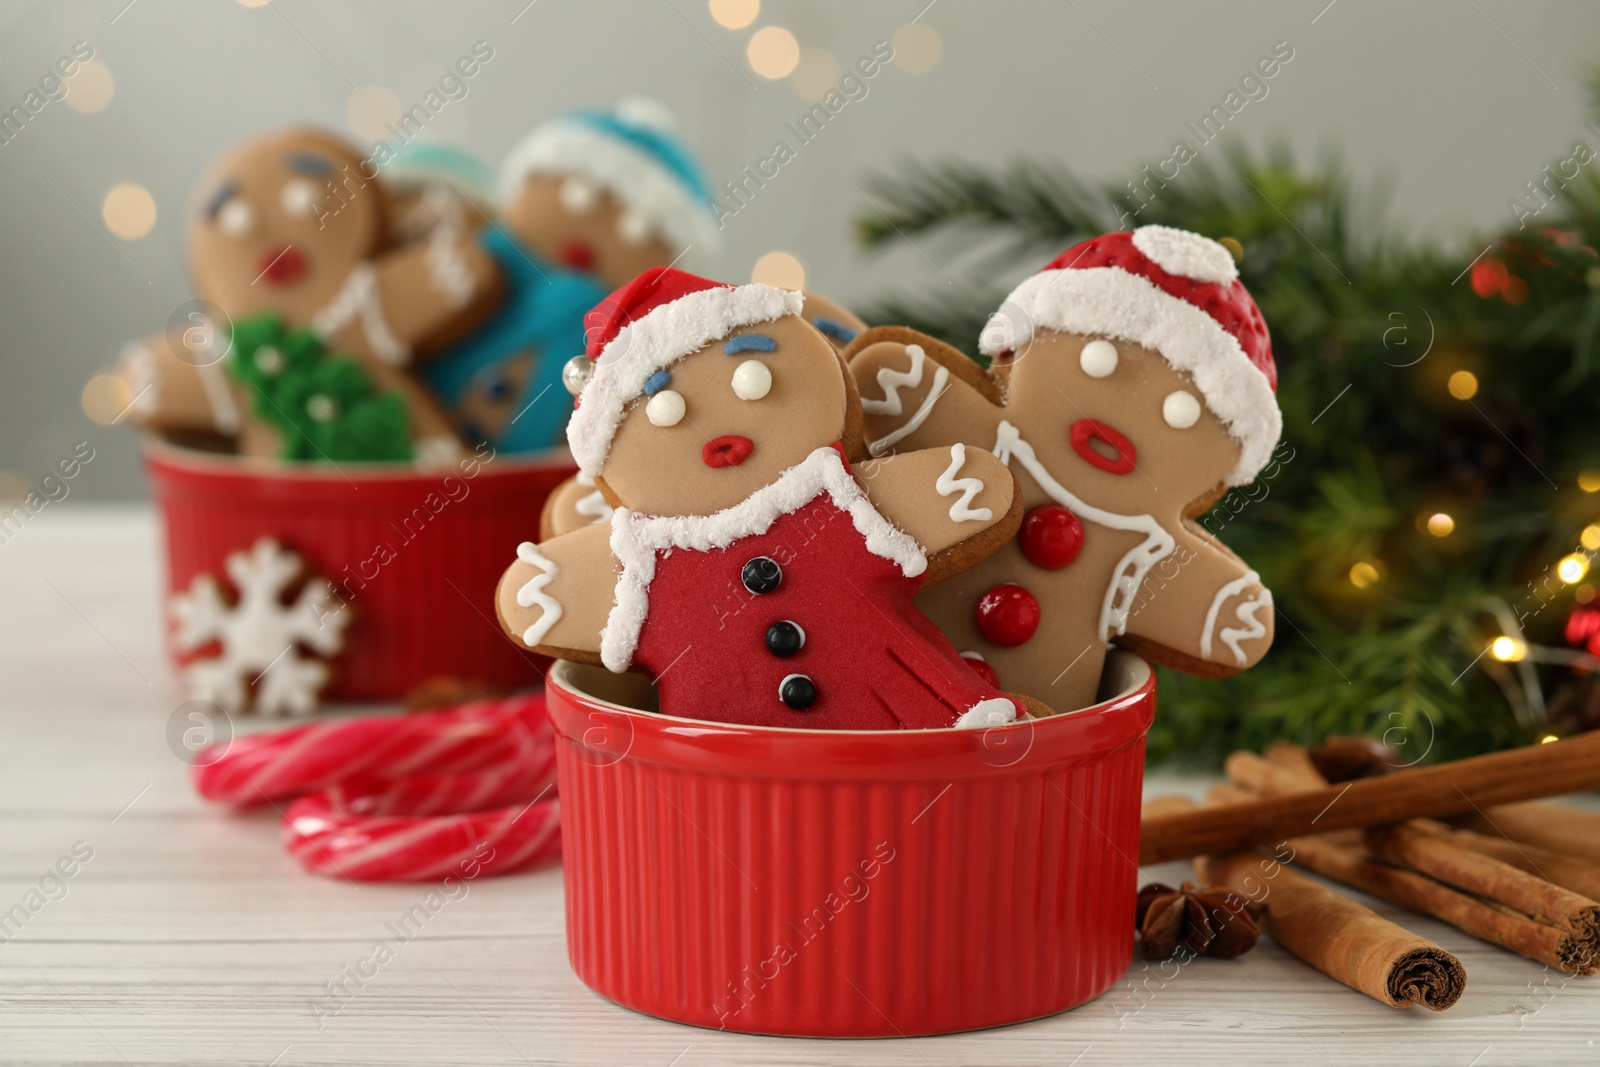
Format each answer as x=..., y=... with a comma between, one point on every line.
x=793, y=608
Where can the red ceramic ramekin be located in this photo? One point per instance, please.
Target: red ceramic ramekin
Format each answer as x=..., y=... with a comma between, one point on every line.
x=848, y=883
x=416, y=554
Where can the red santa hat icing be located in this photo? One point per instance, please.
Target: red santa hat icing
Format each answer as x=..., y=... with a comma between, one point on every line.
x=1175, y=293
x=644, y=327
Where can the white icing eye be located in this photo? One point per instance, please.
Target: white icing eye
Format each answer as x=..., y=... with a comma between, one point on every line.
x=633, y=228
x=1181, y=410
x=666, y=408
x=752, y=380
x=1098, y=359
x=579, y=196
x=300, y=197
x=237, y=218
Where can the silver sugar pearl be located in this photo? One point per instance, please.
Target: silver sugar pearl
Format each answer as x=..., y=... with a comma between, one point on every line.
x=576, y=374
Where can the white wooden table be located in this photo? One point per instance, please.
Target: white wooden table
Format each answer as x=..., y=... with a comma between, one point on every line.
x=190, y=937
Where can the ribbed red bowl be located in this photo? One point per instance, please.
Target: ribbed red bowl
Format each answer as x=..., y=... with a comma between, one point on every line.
x=416, y=553
x=848, y=884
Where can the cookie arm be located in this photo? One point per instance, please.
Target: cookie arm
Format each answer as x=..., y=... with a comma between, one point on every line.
x=1202, y=610
x=176, y=381
x=917, y=392
x=413, y=301
x=959, y=503
x=555, y=598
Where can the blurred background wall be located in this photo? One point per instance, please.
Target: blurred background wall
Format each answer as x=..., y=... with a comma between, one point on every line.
x=1458, y=104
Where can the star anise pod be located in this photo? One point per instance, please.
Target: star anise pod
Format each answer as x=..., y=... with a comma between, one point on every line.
x=1213, y=921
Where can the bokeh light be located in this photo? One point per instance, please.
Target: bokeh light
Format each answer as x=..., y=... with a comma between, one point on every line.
x=1589, y=481
x=917, y=48
x=1440, y=525
x=773, y=52
x=1573, y=568
x=1507, y=649
x=1590, y=537
x=90, y=88
x=781, y=269
x=1363, y=574
x=105, y=397
x=129, y=211
x=816, y=76
x=735, y=14
x=369, y=111
x=1463, y=385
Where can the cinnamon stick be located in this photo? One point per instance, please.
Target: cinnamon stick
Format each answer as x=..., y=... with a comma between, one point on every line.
x=1417, y=892
x=1562, y=868
x=1431, y=849
x=1552, y=826
x=1347, y=942
x=1447, y=789
x=1344, y=940
x=1446, y=861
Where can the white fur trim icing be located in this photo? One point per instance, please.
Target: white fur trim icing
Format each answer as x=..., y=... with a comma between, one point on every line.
x=1186, y=254
x=1110, y=302
x=636, y=539
x=657, y=340
x=644, y=185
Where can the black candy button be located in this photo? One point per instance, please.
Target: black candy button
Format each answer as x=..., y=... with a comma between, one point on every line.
x=761, y=575
x=785, y=638
x=798, y=692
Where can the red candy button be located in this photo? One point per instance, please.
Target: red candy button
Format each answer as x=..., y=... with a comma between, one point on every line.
x=1007, y=615
x=982, y=668
x=1051, y=537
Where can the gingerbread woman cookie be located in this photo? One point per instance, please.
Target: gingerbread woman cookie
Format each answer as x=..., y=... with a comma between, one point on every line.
x=577, y=502
x=1132, y=383
x=749, y=566
x=299, y=225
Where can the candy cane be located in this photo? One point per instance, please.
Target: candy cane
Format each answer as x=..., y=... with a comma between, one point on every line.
x=328, y=835
x=471, y=737
x=469, y=791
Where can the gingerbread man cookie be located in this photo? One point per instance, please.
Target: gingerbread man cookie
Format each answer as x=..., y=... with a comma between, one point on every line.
x=577, y=502
x=1132, y=383
x=610, y=193
x=750, y=566
x=298, y=225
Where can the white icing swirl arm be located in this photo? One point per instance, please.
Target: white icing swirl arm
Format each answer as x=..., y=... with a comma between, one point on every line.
x=555, y=597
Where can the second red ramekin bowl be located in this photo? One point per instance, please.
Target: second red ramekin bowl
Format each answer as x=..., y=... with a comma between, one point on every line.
x=415, y=553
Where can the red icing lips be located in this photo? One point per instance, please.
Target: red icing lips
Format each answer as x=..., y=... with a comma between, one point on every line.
x=729, y=450
x=1087, y=431
x=577, y=254
x=283, y=266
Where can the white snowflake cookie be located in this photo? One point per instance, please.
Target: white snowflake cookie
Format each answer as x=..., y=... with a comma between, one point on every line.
x=273, y=651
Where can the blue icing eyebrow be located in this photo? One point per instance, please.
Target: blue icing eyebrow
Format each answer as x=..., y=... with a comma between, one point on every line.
x=749, y=342
x=223, y=194
x=836, y=330
x=657, y=382
x=309, y=163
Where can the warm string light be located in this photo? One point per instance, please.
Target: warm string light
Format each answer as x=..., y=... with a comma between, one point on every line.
x=1439, y=524
x=1548, y=738
x=1463, y=385
x=1364, y=574
x=1589, y=481
x=1508, y=649
x=781, y=269
x=735, y=14
x=1573, y=568
x=773, y=52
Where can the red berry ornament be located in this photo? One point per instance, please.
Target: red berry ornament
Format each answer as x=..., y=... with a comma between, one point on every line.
x=1007, y=615
x=1051, y=537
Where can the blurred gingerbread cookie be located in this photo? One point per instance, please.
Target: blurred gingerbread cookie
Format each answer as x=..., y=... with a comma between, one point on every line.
x=588, y=201
x=1132, y=383
x=298, y=227
x=750, y=566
